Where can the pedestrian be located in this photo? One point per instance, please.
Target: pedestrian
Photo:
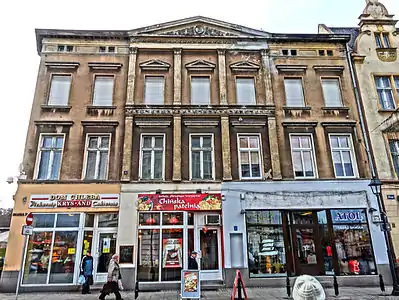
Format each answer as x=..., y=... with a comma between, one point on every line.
x=114, y=275
x=308, y=288
x=86, y=269
x=192, y=261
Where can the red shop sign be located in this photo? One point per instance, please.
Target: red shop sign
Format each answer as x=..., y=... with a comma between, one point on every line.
x=182, y=202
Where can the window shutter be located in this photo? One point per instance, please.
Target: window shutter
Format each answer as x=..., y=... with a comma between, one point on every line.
x=294, y=92
x=200, y=90
x=331, y=92
x=59, y=90
x=154, y=90
x=103, y=91
x=245, y=91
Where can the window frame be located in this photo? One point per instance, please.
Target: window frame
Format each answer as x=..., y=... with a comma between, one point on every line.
x=379, y=38
x=49, y=89
x=236, y=79
x=302, y=86
x=152, y=163
x=38, y=156
x=94, y=85
x=210, y=88
x=387, y=140
x=260, y=151
x=338, y=78
x=201, y=159
x=394, y=89
x=313, y=156
x=352, y=151
x=145, y=88
x=85, y=158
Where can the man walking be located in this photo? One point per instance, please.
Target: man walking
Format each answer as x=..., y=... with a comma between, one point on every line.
x=192, y=261
x=86, y=269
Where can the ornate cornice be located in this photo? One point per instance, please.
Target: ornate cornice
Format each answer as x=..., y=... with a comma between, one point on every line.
x=244, y=66
x=62, y=64
x=104, y=66
x=154, y=65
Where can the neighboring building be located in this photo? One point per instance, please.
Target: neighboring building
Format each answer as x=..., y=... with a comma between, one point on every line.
x=376, y=67
x=194, y=134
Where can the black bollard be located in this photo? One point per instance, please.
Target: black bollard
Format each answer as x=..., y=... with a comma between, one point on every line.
x=136, y=290
x=382, y=284
x=288, y=286
x=239, y=289
x=336, y=287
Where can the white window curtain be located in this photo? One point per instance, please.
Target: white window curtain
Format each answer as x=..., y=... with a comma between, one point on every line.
x=294, y=92
x=154, y=91
x=384, y=91
x=245, y=91
x=331, y=92
x=59, y=90
x=103, y=91
x=200, y=90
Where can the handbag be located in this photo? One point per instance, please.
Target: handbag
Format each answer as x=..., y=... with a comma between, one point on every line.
x=81, y=279
x=120, y=286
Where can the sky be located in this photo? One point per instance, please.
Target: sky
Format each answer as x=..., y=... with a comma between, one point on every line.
x=19, y=59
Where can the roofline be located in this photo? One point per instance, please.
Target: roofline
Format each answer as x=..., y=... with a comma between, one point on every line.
x=310, y=37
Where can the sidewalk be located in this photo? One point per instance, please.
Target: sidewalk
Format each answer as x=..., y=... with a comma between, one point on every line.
x=225, y=294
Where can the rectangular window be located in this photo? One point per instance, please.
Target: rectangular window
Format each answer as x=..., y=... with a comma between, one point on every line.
x=97, y=153
x=152, y=157
x=200, y=90
x=303, y=159
x=331, y=92
x=245, y=91
x=103, y=90
x=49, y=156
x=249, y=156
x=294, y=92
x=385, y=93
x=342, y=155
x=382, y=40
x=394, y=147
x=201, y=148
x=59, y=90
x=154, y=90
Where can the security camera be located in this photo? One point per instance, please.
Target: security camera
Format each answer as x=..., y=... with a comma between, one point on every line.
x=10, y=180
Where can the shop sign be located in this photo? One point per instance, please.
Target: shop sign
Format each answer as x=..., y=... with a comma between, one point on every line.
x=348, y=216
x=190, y=285
x=172, y=253
x=180, y=202
x=74, y=200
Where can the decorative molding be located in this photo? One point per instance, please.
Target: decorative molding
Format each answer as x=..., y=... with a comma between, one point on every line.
x=99, y=111
x=339, y=124
x=100, y=123
x=104, y=66
x=153, y=124
x=53, y=123
x=328, y=68
x=133, y=50
x=61, y=65
x=56, y=108
x=358, y=59
x=248, y=123
x=291, y=68
x=200, y=65
x=201, y=123
x=387, y=54
x=177, y=51
x=300, y=124
x=297, y=111
x=199, y=30
x=154, y=65
x=244, y=66
x=335, y=111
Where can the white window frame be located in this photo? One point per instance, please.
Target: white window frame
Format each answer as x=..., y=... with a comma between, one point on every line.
x=97, y=167
x=94, y=89
x=201, y=156
x=38, y=156
x=210, y=89
x=352, y=152
x=249, y=150
x=50, y=85
x=288, y=78
x=238, y=78
x=341, y=104
x=163, y=89
x=152, y=156
x=313, y=156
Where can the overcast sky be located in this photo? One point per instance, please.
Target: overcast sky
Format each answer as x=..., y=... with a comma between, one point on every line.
x=19, y=59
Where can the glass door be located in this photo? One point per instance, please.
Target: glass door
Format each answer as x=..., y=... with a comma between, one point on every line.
x=106, y=247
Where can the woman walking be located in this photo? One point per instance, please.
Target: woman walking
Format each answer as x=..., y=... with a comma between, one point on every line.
x=114, y=275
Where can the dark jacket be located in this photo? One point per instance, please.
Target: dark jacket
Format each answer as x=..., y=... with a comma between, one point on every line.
x=192, y=263
x=86, y=265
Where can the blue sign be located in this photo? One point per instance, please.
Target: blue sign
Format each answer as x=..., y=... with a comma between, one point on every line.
x=190, y=284
x=340, y=216
x=235, y=228
x=391, y=197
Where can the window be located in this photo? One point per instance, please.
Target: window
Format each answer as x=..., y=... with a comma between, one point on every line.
x=382, y=40
x=201, y=154
x=294, y=92
x=303, y=156
x=285, y=51
x=154, y=90
x=384, y=89
x=59, y=90
x=64, y=48
x=111, y=49
x=102, y=49
x=394, y=147
x=330, y=53
x=152, y=157
x=249, y=156
x=342, y=155
x=106, y=49
x=322, y=52
x=331, y=92
x=245, y=91
x=103, y=90
x=49, y=155
x=200, y=90
x=97, y=153
x=292, y=52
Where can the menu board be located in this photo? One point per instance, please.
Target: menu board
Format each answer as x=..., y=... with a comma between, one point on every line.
x=190, y=284
x=126, y=254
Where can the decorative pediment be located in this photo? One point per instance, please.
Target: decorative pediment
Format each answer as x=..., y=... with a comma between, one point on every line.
x=108, y=66
x=244, y=66
x=62, y=64
x=154, y=65
x=200, y=65
x=291, y=68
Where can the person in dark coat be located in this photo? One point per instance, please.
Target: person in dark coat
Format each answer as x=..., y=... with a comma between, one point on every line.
x=86, y=269
x=192, y=261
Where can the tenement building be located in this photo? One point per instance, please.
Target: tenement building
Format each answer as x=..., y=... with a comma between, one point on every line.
x=194, y=135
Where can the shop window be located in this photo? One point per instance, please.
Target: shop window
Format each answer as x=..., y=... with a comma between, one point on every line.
x=152, y=157
x=103, y=90
x=106, y=248
x=49, y=157
x=87, y=242
x=172, y=218
x=249, y=157
x=294, y=92
x=172, y=254
x=385, y=93
x=200, y=90
x=43, y=220
x=190, y=217
x=326, y=242
x=209, y=249
x=245, y=88
x=154, y=90
x=266, y=250
x=303, y=217
x=68, y=220
x=303, y=159
x=89, y=220
x=353, y=242
x=201, y=154
x=331, y=92
x=148, y=268
x=108, y=220
x=149, y=219
x=343, y=156
x=97, y=153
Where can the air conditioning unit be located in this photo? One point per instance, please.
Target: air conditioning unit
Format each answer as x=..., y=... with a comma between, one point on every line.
x=212, y=220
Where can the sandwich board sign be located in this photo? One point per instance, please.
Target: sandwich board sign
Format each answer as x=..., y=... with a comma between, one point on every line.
x=190, y=284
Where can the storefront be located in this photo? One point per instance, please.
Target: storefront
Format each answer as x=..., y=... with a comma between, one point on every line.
x=171, y=226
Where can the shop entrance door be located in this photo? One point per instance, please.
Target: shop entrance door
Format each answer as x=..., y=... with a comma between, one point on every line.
x=105, y=243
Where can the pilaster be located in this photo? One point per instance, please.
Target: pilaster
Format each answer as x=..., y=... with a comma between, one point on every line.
x=267, y=78
x=127, y=149
x=226, y=148
x=177, y=148
x=274, y=151
x=222, y=77
x=131, y=76
x=177, y=76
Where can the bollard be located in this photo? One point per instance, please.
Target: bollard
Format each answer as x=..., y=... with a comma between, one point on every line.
x=336, y=287
x=239, y=290
x=287, y=285
x=382, y=285
x=136, y=290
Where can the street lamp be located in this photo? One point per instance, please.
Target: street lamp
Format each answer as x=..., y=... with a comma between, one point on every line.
x=375, y=185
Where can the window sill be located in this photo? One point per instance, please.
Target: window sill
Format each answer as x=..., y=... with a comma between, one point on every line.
x=56, y=108
x=391, y=110
x=336, y=111
x=94, y=110
x=297, y=111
